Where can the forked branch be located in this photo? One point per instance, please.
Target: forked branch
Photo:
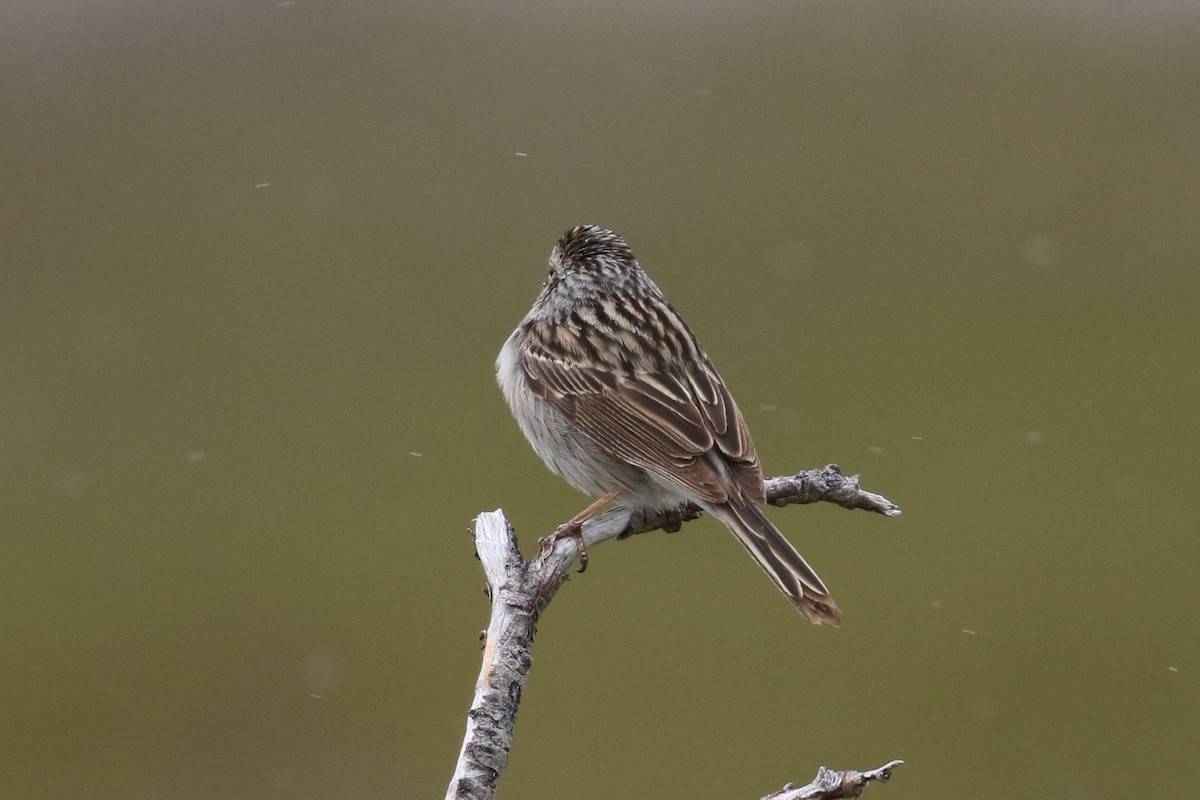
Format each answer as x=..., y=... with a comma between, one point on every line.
x=520, y=590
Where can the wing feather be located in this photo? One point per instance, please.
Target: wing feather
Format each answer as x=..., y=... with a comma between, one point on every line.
x=669, y=412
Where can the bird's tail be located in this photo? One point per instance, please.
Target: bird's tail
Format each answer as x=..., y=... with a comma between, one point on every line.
x=782, y=563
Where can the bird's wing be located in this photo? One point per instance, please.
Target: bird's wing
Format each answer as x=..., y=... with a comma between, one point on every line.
x=665, y=410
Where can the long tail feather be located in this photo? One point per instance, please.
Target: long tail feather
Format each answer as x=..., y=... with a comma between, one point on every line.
x=780, y=560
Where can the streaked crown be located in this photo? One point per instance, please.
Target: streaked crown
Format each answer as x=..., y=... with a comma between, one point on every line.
x=591, y=246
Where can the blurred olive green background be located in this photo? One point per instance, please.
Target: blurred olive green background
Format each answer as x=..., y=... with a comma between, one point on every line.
x=257, y=260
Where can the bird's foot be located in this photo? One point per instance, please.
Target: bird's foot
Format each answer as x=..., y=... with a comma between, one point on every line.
x=672, y=519
x=567, y=530
x=675, y=517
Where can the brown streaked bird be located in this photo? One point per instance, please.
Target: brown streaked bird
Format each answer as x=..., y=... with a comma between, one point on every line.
x=615, y=394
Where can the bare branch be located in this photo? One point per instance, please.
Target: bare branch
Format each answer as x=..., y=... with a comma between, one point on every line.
x=828, y=485
x=506, y=661
x=520, y=590
x=832, y=785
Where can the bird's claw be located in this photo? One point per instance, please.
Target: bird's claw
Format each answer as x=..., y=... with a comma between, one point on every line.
x=573, y=530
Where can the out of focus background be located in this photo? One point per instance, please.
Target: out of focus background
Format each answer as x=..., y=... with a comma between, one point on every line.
x=257, y=258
